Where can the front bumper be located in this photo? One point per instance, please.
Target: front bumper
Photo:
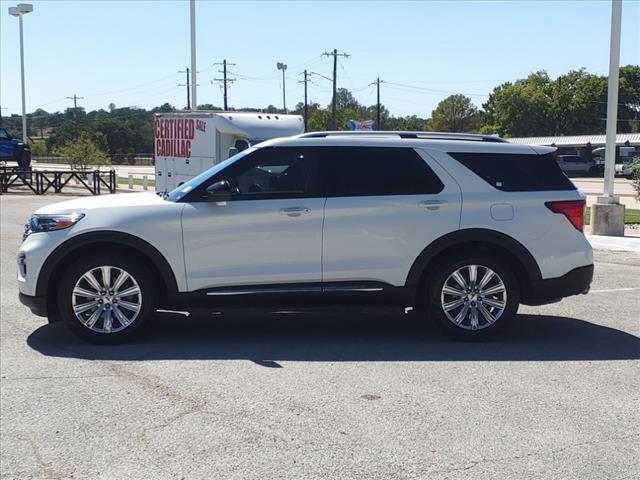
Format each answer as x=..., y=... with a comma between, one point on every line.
x=575, y=282
x=37, y=305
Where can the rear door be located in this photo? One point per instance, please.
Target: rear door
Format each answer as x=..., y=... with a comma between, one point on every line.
x=384, y=206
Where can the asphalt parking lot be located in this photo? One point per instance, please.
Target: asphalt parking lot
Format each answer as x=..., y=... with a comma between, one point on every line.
x=324, y=395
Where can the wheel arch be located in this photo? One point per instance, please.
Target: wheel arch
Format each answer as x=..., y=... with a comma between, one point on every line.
x=516, y=255
x=118, y=241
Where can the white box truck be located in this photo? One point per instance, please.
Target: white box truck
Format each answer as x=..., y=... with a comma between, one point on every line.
x=188, y=143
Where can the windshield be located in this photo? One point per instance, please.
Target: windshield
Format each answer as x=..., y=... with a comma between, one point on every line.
x=3, y=133
x=179, y=192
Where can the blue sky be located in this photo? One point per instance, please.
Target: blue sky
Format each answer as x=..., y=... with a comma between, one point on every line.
x=129, y=52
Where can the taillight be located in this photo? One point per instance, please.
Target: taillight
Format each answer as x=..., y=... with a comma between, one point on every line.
x=572, y=209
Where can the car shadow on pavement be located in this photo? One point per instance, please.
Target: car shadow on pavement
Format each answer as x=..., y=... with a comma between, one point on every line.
x=267, y=338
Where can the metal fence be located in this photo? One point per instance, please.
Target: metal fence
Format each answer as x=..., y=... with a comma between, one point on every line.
x=142, y=159
x=40, y=182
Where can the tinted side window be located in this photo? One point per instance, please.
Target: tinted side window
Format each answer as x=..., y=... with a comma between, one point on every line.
x=574, y=159
x=372, y=171
x=513, y=172
x=284, y=172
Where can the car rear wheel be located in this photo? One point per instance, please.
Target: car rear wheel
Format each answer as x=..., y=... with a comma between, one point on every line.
x=106, y=299
x=24, y=159
x=472, y=298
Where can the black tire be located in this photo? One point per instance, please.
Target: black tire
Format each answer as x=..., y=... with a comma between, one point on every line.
x=593, y=171
x=141, y=277
x=24, y=160
x=432, y=291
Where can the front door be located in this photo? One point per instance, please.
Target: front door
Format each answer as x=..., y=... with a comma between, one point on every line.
x=269, y=233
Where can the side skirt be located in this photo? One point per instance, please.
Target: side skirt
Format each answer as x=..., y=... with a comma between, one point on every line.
x=298, y=294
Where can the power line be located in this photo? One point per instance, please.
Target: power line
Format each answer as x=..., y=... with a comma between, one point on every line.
x=335, y=56
x=224, y=81
x=141, y=85
x=432, y=91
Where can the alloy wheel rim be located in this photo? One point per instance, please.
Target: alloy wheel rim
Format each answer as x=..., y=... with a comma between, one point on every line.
x=473, y=297
x=106, y=299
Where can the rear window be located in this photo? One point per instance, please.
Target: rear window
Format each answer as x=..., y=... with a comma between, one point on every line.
x=512, y=172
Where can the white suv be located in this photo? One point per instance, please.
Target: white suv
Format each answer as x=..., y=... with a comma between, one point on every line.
x=461, y=227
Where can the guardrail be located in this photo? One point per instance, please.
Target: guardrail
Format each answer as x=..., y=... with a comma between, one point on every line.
x=143, y=159
x=40, y=182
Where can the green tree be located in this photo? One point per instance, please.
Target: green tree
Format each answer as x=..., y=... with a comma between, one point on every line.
x=629, y=97
x=573, y=104
x=520, y=109
x=456, y=113
x=83, y=153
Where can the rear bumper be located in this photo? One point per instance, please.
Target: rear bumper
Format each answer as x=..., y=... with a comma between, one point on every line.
x=575, y=282
x=37, y=305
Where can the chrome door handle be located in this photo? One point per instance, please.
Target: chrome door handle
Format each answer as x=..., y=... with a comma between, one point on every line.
x=432, y=204
x=294, y=211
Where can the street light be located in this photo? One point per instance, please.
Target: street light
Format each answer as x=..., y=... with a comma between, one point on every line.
x=607, y=214
x=194, y=72
x=19, y=11
x=283, y=67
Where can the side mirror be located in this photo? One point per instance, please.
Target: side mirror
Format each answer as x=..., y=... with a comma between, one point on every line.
x=219, y=191
x=232, y=151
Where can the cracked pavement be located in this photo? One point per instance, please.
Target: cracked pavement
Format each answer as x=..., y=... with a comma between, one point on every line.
x=343, y=394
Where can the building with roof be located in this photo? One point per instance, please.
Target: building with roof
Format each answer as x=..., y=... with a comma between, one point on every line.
x=577, y=141
x=583, y=145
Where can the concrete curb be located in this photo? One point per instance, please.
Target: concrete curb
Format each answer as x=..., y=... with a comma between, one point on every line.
x=616, y=244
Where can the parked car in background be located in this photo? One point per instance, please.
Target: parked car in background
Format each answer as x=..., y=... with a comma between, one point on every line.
x=576, y=165
x=625, y=166
x=14, y=150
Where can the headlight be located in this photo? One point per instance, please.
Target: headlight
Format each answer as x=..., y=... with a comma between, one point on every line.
x=50, y=223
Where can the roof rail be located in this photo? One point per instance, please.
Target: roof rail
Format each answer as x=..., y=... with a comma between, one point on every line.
x=469, y=137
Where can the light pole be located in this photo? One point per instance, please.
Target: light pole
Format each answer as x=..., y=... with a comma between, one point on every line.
x=607, y=214
x=612, y=99
x=194, y=83
x=283, y=67
x=19, y=11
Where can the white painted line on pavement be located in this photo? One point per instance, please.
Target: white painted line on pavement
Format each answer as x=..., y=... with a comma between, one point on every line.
x=606, y=290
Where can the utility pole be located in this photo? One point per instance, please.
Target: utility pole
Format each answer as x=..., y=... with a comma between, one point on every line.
x=186, y=70
x=377, y=84
x=224, y=80
x=75, y=99
x=335, y=55
x=306, y=104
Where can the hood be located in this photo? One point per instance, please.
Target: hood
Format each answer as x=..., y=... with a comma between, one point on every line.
x=84, y=204
x=17, y=142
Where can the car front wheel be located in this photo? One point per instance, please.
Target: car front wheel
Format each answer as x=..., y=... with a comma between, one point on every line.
x=106, y=299
x=472, y=298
